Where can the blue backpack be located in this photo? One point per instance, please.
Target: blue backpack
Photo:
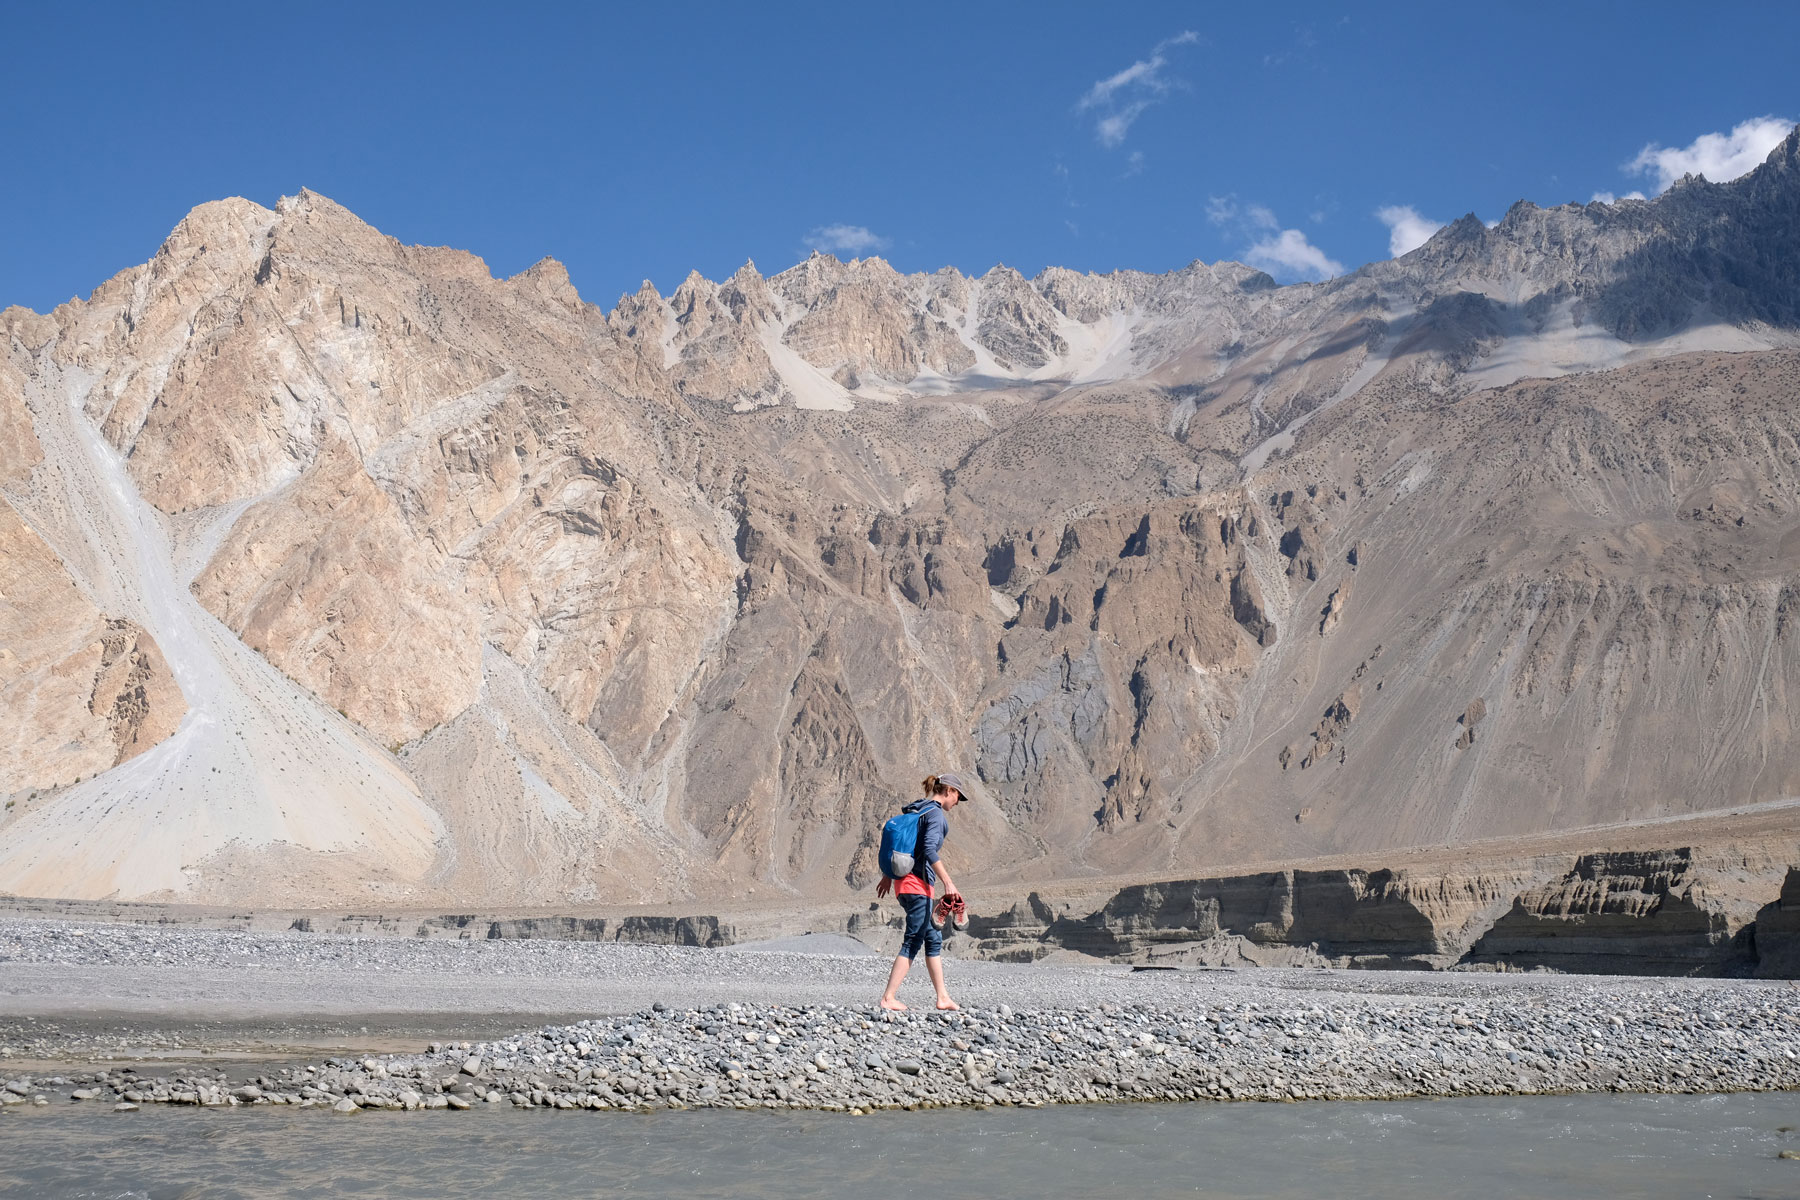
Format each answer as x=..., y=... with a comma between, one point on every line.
x=899, y=842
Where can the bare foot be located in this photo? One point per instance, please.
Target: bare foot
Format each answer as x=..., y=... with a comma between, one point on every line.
x=948, y=1005
x=892, y=1005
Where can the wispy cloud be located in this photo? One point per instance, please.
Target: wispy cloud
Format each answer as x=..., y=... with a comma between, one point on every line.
x=1407, y=230
x=1718, y=156
x=1220, y=210
x=1120, y=99
x=1610, y=198
x=1284, y=253
x=1065, y=183
x=1305, y=41
x=845, y=239
x=1143, y=73
x=1226, y=211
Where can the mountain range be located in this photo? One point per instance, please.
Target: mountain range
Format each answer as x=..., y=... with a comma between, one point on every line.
x=333, y=568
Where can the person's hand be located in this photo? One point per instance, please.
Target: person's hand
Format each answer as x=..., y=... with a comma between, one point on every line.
x=883, y=888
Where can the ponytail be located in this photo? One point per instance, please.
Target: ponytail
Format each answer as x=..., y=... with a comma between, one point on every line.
x=932, y=786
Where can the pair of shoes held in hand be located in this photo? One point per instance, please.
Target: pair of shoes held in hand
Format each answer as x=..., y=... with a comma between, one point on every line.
x=951, y=906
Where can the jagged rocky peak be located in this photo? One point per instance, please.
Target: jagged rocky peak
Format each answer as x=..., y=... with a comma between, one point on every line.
x=1086, y=298
x=1786, y=156
x=640, y=314
x=875, y=270
x=707, y=336
x=549, y=279
x=945, y=292
x=694, y=295
x=232, y=225
x=746, y=295
x=1467, y=230
x=547, y=270
x=871, y=327
x=1018, y=326
x=306, y=201
x=316, y=231
x=805, y=281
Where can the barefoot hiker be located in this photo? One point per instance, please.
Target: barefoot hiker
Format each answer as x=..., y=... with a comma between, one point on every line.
x=909, y=853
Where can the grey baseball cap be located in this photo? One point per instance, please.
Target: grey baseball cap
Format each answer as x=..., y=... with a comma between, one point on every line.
x=952, y=779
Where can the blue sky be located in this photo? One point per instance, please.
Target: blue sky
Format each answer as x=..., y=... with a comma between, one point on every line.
x=642, y=141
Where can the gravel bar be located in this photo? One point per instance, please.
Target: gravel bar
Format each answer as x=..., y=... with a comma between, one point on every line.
x=1030, y=1035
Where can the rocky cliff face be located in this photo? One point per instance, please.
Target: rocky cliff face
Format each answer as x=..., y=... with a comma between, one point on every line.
x=1682, y=911
x=1646, y=910
x=1778, y=932
x=85, y=692
x=467, y=588
x=1357, y=917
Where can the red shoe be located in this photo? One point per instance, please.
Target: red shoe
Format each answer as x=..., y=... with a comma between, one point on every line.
x=952, y=907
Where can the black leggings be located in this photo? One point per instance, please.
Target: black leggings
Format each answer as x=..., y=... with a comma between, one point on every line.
x=919, y=929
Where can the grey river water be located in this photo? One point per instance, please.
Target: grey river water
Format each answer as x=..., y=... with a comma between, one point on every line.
x=1612, y=1146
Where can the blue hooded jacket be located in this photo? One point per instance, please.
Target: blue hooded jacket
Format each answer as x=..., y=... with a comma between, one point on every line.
x=934, y=826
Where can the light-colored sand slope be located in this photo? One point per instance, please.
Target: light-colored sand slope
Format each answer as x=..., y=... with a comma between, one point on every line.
x=256, y=762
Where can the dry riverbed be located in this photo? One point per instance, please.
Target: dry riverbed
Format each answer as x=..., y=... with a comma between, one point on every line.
x=128, y=1016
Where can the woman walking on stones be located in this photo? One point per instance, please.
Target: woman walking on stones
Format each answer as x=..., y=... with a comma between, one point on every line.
x=923, y=927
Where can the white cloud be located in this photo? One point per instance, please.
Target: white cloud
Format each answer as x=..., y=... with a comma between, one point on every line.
x=1407, y=230
x=1609, y=198
x=1283, y=253
x=845, y=239
x=1718, y=156
x=1134, y=163
x=1121, y=98
x=1289, y=253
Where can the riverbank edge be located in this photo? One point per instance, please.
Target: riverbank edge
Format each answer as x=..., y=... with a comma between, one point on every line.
x=855, y=1060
